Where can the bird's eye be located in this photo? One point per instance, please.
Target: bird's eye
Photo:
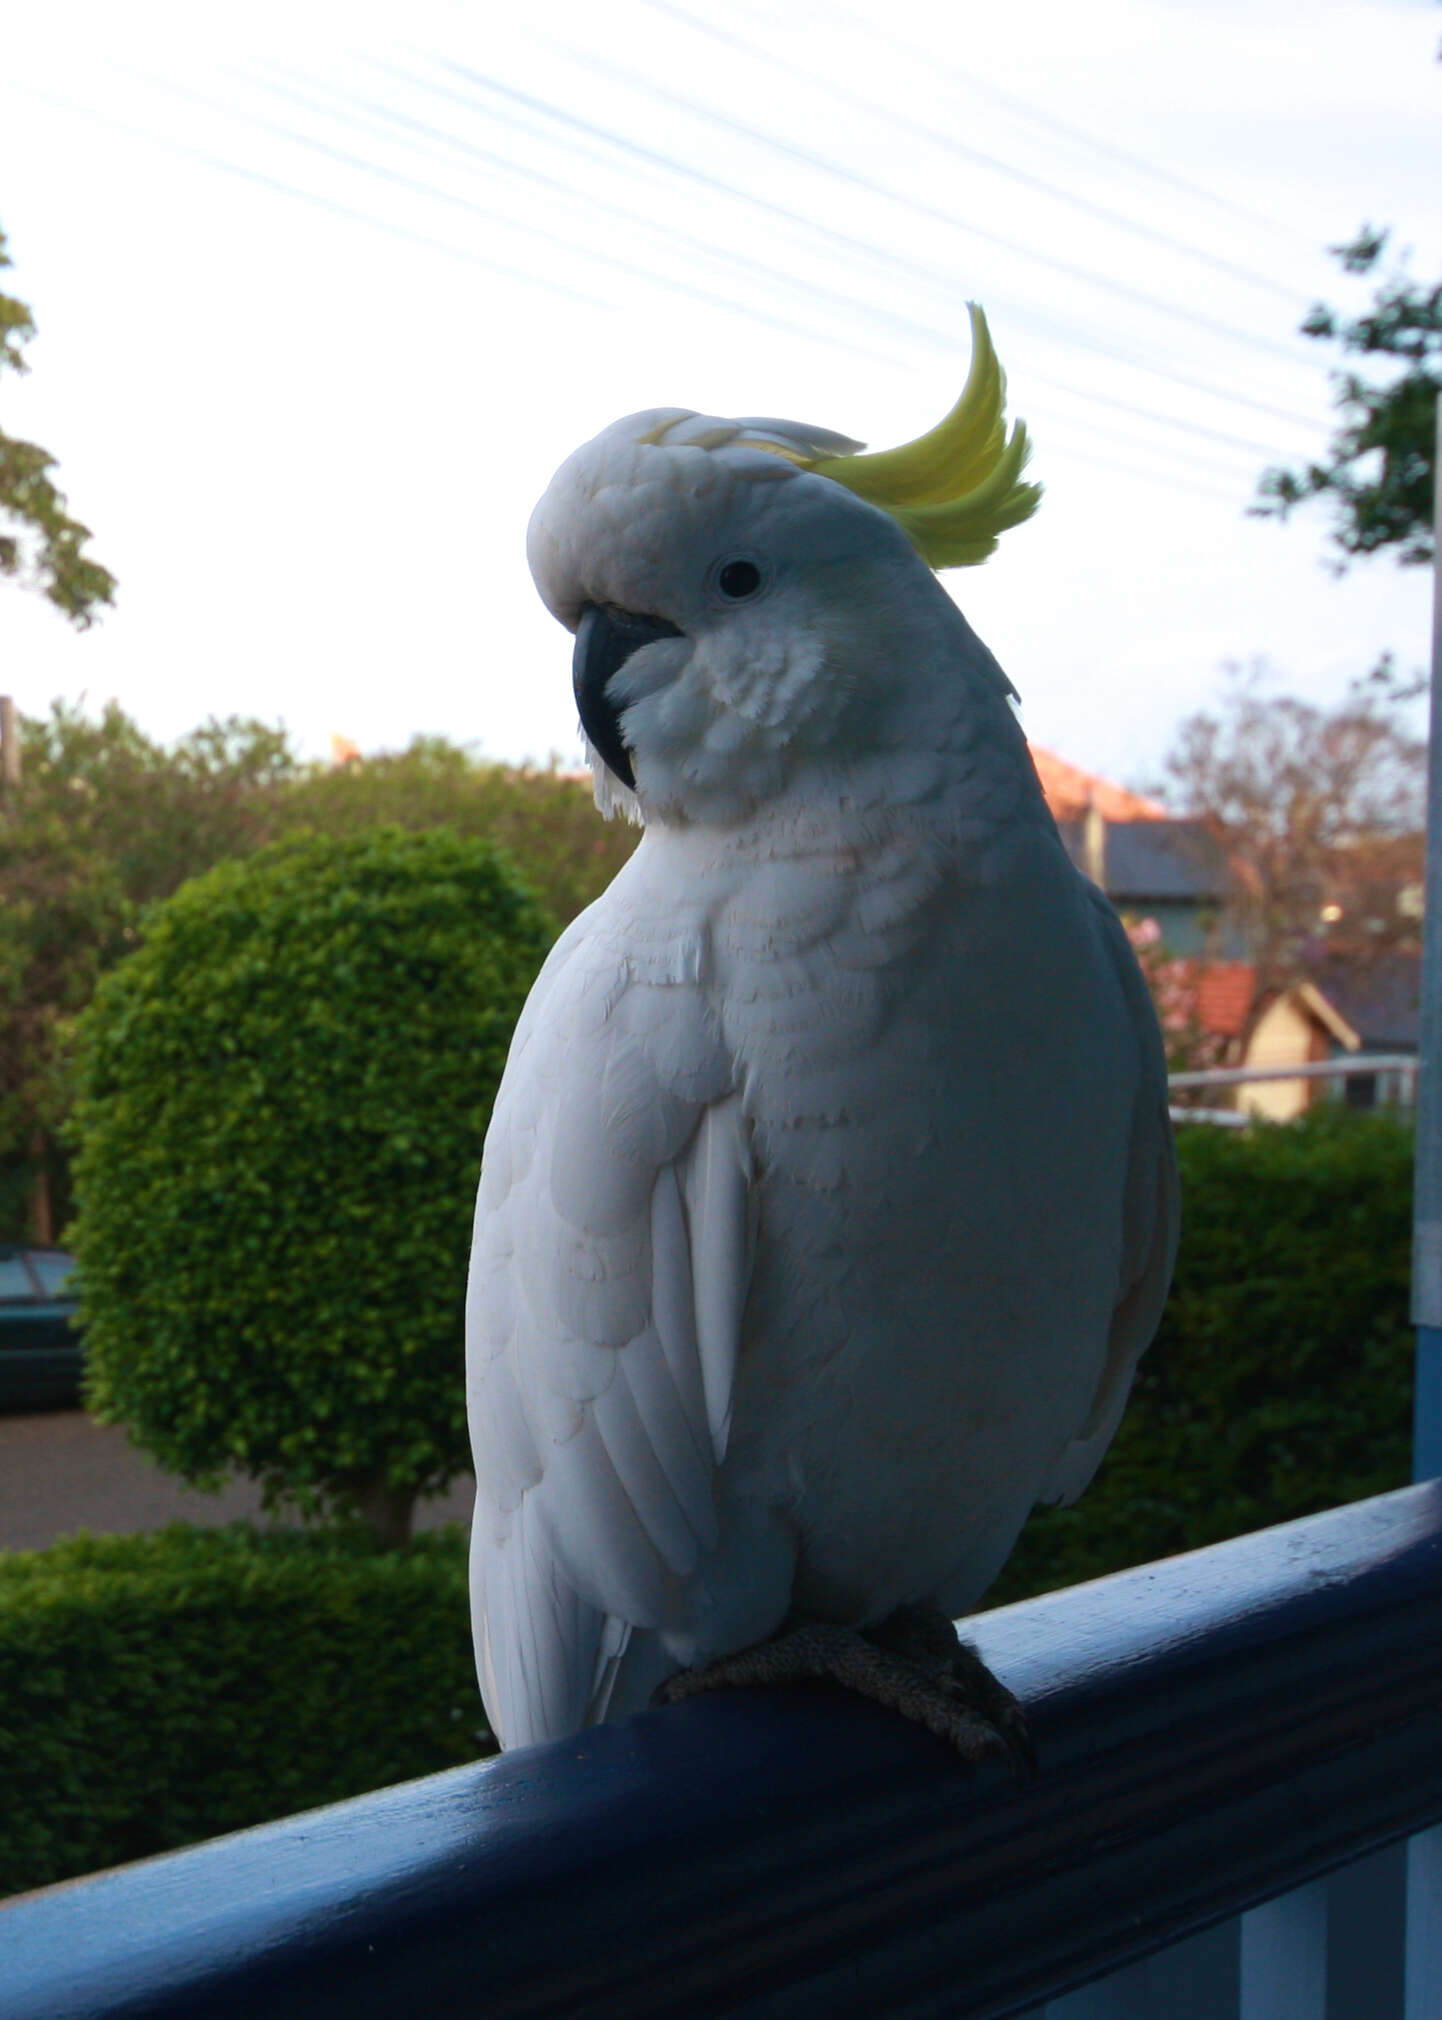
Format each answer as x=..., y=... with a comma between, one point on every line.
x=738, y=579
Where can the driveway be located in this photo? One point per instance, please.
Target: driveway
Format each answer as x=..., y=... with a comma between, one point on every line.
x=60, y=1472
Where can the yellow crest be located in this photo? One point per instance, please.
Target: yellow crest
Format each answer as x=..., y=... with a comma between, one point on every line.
x=956, y=489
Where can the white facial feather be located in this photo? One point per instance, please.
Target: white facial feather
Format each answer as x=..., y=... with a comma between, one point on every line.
x=732, y=712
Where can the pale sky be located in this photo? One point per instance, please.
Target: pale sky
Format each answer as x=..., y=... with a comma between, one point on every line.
x=325, y=292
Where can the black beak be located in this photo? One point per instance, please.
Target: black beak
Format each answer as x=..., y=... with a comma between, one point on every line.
x=605, y=640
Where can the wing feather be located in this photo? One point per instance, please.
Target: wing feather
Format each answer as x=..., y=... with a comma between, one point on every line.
x=1151, y=1217
x=608, y=1279
x=534, y=1634
x=673, y=1304
x=716, y=1186
x=631, y=1448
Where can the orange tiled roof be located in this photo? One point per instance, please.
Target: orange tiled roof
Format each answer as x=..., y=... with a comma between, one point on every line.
x=1225, y=993
x=1070, y=791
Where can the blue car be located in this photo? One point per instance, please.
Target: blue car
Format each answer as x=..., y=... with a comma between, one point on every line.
x=40, y=1355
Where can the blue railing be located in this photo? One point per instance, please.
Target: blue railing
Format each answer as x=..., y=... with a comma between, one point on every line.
x=1214, y=1731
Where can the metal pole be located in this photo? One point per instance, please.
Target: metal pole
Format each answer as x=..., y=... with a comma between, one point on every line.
x=1426, y=1210
x=1422, y=1967
x=1427, y=1207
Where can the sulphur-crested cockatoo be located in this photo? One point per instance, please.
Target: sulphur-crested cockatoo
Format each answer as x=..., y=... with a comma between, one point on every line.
x=828, y=1200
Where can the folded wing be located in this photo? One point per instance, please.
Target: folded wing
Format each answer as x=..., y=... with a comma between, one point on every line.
x=1151, y=1214
x=608, y=1278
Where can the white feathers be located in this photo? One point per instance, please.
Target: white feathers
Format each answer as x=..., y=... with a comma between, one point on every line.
x=716, y=1189
x=828, y=1199
x=600, y=1354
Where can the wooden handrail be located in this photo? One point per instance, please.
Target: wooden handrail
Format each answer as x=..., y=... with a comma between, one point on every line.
x=1213, y=1730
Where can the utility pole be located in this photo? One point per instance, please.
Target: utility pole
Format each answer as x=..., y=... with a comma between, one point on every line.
x=1427, y=1205
x=1422, y=1995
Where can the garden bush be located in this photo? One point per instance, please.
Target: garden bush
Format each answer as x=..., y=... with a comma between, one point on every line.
x=159, y=1689
x=283, y=1096
x=1280, y=1381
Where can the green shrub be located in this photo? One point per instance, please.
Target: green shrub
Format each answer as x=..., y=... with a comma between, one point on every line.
x=1280, y=1382
x=159, y=1689
x=284, y=1093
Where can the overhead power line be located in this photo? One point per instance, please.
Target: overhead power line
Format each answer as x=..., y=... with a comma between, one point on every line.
x=1173, y=479
x=905, y=123
x=530, y=229
x=623, y=143
x=1053, y=127
x=282, y=188
x=424, y=138
x=930, y=212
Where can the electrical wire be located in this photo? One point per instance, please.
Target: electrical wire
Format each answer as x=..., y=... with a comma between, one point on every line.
x=530, y=230
x=904, y=123
x=386, y=117
x=1050, y=125
x=312, y=197
x=928, y=212
x=560, y=116
x=525, y=278
x=942, y=338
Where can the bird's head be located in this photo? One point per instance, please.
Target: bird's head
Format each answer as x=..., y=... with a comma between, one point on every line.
x=749, y=596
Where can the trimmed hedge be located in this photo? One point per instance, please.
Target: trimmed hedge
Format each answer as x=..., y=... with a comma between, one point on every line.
x=159, y=1689
x=1280, y=1382
x=283, y=1095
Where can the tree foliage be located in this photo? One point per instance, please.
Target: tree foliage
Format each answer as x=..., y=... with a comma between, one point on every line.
x=168, y=1687
x=1280, y=1382
x=1173, y=983
x=104, y=823
x=1320, y=810
x=284, y=1092
x=107, y=822
x=1378, y=473
x=40, y=543
x=544, y=819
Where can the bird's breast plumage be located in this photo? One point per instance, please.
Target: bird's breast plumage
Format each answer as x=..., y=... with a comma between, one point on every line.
x=827, y=1201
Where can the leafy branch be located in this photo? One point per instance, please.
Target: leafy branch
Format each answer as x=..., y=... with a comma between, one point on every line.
x=1379, y=469
x=39, y=540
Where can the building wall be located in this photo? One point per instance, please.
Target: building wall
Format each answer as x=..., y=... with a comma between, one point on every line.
x=1285, y=1036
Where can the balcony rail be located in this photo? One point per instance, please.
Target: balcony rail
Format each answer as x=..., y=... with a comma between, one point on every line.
x=1395, y=1072
x=1214, y=1731
x=1360, y=1065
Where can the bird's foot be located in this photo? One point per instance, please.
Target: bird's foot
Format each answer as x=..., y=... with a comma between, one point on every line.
x=914, y=1663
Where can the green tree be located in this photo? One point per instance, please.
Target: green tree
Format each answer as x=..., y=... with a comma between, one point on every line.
x=284, y=1092
x=104, y=823
x=1378, y=472
x=40, y=543
x=107, y=821
x=1280, y=1381
x=544, y=819
x=1321, y=813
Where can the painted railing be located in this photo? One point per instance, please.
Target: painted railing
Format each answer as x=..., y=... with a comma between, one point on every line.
x=1401, y=1067
x=1216, y=1732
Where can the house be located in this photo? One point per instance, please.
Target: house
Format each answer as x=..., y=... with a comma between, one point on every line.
x=1175, y=873
x=1341, y=1007
x=1148, y=863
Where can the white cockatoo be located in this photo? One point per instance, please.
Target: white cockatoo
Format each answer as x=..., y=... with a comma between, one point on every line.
x=829, y=1198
